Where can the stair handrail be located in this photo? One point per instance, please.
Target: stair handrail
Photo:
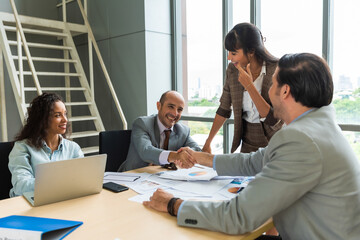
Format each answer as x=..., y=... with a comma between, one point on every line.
x=4, y=134
x=26, y=48
x=122, y=116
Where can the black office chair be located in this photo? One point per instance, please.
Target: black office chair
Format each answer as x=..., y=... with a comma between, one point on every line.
x=5, y=175
x=116, y=145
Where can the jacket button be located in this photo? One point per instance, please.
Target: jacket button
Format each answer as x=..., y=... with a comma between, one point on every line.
x=191, y=221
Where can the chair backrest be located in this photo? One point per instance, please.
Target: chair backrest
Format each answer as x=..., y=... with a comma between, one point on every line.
x=116, y=145
x=5, y=175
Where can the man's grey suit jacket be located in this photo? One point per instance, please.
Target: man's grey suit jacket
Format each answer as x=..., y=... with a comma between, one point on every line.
x=307, y=179
x=145, y=142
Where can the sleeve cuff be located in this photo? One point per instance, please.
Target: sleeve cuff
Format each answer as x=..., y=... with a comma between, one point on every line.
x=214, y=166
x=163, y=157
x=224, y=113
x=179, y=210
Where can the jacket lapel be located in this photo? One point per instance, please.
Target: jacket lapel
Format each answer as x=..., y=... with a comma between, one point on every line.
x=156, y=132
x=173, y=140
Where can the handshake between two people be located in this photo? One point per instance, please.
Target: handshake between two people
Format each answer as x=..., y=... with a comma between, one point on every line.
x=185, y=157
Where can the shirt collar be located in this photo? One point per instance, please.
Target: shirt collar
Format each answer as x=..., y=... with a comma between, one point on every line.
x=162, y=128
x=60, y=145
x=259, y=80
x=302, y=115
x=263, y=68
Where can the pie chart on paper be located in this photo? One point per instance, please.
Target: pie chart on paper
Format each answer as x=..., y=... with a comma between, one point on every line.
x=234, y=189
x=195, y=174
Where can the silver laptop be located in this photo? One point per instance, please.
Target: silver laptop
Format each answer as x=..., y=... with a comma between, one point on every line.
x=68, y=179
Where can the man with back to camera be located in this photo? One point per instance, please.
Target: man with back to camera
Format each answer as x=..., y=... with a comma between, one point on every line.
x=307, y=179
x=149, y=144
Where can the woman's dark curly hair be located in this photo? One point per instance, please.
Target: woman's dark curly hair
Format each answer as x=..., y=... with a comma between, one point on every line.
x=37, y=122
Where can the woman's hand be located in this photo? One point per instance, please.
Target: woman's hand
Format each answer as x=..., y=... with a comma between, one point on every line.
x=206, y=147
x=245, y=76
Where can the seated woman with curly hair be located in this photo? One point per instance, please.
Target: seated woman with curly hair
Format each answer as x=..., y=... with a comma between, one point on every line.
x=41, y=140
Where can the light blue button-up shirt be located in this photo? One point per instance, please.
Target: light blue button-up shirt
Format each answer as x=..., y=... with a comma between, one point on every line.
x=23, y=158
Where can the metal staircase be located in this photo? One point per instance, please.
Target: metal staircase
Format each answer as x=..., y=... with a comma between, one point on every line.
x=51, y=64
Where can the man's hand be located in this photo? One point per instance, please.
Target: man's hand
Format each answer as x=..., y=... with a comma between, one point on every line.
x=159, y=200
x=183, y=157
x=201, y=158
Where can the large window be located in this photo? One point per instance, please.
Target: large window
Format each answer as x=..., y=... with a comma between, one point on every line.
x=202, y=71
x=345, y=64
x=240, y=11
x=292, y=26
x=202, y=56
x=346, y=72
x=327, y=28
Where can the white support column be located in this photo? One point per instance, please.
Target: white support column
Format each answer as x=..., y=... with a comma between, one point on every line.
x=67, y=81
x=4, y=135
x=107, y=77
x=91, y=64
x=64, y=10
x=66, y=67
x=20, y=67
x=26, y=48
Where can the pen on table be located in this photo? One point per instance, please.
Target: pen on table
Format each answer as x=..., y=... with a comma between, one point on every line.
x=136, y=178
x=240, y=189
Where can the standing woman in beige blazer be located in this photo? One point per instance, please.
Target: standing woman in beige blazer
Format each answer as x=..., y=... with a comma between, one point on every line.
x=247, y=82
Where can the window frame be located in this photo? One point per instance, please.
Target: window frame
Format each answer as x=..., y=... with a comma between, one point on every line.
x=255, y=18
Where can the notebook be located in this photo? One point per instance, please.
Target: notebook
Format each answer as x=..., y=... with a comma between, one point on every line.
x=68, y=179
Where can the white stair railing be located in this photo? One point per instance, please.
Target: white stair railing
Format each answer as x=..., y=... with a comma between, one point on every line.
x=20, y=31
x=93, y=41
x=3, y=120
x=11, y=25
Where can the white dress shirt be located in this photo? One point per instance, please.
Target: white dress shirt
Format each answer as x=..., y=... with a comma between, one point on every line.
x=164, y=155
x=251, y=113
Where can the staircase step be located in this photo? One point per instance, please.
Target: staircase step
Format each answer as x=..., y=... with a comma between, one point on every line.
x=28, y=73
x=81, y=118
x=56, y=89
x=44, y=59
x=39, y=32
x=87, y=150
x=43, y=45
x=84, y=134
x=69, y=104
x=77, y=103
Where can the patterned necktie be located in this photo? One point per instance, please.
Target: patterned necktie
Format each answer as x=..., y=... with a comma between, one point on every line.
x=166, y=141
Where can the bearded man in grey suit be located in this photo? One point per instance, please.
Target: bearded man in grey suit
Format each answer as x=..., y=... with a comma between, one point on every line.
x=307, y=178
x=148, y=136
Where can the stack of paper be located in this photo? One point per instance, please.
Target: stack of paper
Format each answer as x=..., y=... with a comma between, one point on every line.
x=198, y=182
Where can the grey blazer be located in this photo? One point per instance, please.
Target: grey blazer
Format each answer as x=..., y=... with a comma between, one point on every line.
x=145, y=142
x=307, y=179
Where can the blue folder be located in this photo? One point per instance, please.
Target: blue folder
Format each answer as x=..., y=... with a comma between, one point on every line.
x=25, y=227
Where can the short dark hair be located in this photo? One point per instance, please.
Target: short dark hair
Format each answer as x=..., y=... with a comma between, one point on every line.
x=37, y=121
x=309, y=79
x=248, y=37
